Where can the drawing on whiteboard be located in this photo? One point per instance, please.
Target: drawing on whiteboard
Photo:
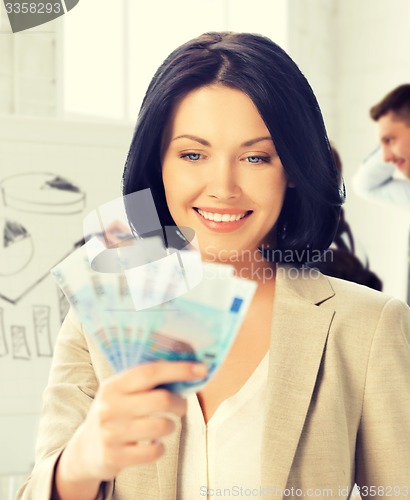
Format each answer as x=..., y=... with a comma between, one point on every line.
x=42, y=334
x=16, y=247
x=42, y=193
x=83, y=161
x=3, y=343
x=19, y=343
x=35, y=233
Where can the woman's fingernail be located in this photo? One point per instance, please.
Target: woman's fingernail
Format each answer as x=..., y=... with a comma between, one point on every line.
x=200, y=369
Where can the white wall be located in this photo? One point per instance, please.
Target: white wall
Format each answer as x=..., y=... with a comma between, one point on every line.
x=27, y=69
x=312, y=44
x=107, y=76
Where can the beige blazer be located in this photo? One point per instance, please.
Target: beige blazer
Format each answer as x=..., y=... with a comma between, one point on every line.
x=338, y=403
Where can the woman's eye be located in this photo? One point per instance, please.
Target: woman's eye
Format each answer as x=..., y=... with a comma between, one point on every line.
x=191, y=156
x=257, y=159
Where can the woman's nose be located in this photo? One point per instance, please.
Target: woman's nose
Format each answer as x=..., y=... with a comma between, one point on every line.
x=223, y=182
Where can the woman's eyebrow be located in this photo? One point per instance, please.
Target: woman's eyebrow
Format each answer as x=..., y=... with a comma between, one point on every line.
x=192, y=138
x=206, y=143
x=258, y=139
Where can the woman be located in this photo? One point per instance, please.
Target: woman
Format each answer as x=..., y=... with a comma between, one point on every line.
x=229, y=126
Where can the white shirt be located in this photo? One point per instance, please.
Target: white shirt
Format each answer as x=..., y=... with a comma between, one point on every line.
x=377, y=181
x=224, y=454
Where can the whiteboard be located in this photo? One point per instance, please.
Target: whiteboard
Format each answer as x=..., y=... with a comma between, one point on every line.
x=52, y=173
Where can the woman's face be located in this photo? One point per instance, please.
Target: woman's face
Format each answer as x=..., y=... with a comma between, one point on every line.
x=221, y=173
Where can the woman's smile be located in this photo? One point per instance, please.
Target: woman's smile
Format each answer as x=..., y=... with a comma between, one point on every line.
x=223, y=220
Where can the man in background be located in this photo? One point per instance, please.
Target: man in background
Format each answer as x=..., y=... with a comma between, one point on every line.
x=375, y=179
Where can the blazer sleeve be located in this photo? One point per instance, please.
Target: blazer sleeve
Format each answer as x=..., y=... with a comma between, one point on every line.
x=67, y=398
x=383, y=441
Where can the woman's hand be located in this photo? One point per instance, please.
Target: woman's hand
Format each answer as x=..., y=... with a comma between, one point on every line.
x=125, y=424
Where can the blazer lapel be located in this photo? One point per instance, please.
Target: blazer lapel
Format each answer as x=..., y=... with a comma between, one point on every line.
x=298, y=338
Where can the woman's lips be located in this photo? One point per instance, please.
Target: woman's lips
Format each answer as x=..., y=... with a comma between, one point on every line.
x=222, y=226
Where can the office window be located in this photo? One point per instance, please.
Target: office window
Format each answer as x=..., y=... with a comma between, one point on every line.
x=110, y=49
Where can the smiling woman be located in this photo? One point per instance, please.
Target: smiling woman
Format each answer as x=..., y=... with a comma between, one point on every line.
x=231, y=142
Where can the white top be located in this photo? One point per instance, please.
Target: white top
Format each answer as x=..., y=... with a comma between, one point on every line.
x=224, y=454
x=376, y=181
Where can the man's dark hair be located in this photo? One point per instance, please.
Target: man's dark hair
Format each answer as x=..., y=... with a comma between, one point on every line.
x=287, y=105
x=397, y=101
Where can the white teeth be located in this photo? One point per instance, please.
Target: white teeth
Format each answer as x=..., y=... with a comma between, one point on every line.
x=221, y=217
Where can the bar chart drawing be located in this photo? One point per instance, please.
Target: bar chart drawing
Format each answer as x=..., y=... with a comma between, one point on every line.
x=41, y=322
x=19, y=343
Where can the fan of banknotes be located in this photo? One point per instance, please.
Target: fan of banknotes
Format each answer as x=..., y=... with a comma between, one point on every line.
x=147, y=302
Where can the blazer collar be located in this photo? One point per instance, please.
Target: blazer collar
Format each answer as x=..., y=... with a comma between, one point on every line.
x=298, y=337
x=304, y=283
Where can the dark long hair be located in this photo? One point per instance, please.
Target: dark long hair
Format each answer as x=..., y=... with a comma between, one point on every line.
x=286, y=103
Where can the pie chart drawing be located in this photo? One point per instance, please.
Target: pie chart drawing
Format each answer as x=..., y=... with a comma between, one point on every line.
x=43, y=193
x=16, y=247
